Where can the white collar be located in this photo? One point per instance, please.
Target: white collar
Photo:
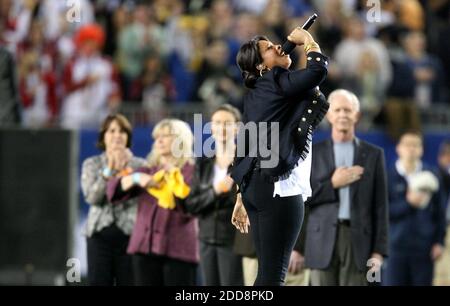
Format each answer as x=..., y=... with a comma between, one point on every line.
x=401, y=170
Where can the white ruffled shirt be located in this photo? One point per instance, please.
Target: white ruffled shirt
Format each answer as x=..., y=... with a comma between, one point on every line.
x=298, y=181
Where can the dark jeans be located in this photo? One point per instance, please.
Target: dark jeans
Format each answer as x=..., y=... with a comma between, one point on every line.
x=220, y=265
x=275, y=224
x=154, y=270
x=408, y=269
x=108, y=262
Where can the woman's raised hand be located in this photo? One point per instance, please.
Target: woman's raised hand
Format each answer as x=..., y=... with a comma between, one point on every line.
x=118, y=158
x=299, y=37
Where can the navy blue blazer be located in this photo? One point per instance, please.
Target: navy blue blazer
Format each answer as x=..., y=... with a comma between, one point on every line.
x=368, y=206
x=411, y=229
x=291, y=99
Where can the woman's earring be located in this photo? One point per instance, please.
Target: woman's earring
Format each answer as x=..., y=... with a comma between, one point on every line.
x=260, y=67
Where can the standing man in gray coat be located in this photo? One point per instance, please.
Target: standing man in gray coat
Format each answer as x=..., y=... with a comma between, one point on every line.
x=348, y=211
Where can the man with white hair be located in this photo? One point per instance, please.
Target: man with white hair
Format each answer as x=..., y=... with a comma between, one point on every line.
x=347, y=227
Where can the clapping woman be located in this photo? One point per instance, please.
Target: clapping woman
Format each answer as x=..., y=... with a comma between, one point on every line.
x=109, y=226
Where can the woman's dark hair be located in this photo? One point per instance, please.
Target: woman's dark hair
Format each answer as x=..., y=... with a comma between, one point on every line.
x=248, y=58
x=230, y=109
x=124, y=124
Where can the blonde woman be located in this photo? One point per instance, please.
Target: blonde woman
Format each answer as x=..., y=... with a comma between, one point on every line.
x=164, y=240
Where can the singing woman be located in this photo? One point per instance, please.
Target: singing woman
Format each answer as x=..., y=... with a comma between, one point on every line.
x=273, y=196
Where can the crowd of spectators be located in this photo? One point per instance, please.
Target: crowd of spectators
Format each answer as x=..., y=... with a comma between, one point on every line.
x=158, y=53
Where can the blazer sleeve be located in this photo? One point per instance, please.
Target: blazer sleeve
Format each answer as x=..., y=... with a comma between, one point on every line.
x=301, y=240
x=202, y=196
x=323, y=192
x=93, y=184
x=116, y=194
x=297, y=82
x=380, y=206
x=439, y=217
x=322, y=189
x=229, y=198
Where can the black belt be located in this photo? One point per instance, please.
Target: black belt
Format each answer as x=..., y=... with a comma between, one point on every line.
x=344, y=222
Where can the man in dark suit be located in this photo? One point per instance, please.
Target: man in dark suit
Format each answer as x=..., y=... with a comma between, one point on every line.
x=348, y=211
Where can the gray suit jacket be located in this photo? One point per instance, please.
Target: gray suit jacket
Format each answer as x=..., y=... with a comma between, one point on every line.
x=368, y=211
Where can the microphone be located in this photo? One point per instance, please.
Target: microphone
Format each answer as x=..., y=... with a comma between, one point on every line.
x=288, y=46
